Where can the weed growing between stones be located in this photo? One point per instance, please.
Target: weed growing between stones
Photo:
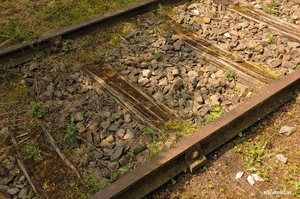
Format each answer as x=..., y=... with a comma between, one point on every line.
x=148, y=131
x=272, y=8
x=93, y=185
x=32, y=152
x=229, y=74
x=36, y=109
x=270, y=39
x=215, y=114
x=71, y=130
x=296, y=66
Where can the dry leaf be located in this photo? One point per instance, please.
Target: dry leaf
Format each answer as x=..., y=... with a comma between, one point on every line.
x=239, y=175
x=251, y=180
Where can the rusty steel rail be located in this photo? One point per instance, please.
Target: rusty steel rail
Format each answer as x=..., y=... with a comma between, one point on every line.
x=21, y=53
x=190, y=152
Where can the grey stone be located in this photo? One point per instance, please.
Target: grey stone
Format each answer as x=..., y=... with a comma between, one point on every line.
x=105, y=124
x=120, y=133
x=276, y=63
x=58, y=94
x=113, y=127
x=287, y=130
x=192, y=75
x=206, y=20
x=293, y=44
x=287, y=64
x=47, y=78
x=127, y=118
x=107, y=151
x=143, y=81
x=163, y=82
x=198, y=98
x=241, y=88
x=23, y=192
x=240, y=47
x=113, y=166
x=129, y=135
x=138, y=147
x=106, y=145
x=170, y=76
x=74, y=76
x=146, y=73
x=83, y=90
x=105, y=114
x=4, y=133
x=33, y=66
x=110, y=139
x=214, y=100
x=10, y=165
x=117, y=115
x=81, y=127
x=177, y=45
x=22, y=179
x=118, y=151
x=50, y=90
x=178, y=82
x=78, y=117
x=159, y=96
x=4, y=187
x=97, y=154
x=244, y=24
x=13, y=191
x=123, y=161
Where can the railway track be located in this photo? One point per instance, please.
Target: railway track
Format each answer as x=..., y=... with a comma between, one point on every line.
x=153, y=88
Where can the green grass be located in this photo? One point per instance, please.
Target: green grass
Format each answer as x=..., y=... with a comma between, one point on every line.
x=27, y=20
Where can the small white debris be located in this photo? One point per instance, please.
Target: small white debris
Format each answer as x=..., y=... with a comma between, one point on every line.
x=281, y=158
x=257, y=177
x=257, y=6
x=227, y=35
x=195, y=12
x=239, y=175
x=287, y=130
x=251, y=180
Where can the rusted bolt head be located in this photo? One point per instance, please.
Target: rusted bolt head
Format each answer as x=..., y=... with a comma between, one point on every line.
x=195, y=154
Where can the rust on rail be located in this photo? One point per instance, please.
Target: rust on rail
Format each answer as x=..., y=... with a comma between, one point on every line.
x=170, y=163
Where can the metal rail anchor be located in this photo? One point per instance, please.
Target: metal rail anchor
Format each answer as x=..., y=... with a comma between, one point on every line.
x=194, y=158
